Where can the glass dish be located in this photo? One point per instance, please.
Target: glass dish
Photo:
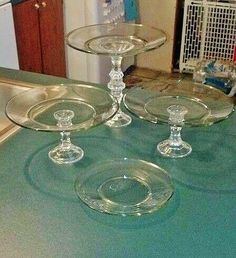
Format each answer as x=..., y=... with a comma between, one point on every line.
x=124, y=187
x=62, y=108
x=209, y=105
x=116, y=40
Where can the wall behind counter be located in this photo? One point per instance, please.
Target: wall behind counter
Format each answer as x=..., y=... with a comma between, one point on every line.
x=159, y=14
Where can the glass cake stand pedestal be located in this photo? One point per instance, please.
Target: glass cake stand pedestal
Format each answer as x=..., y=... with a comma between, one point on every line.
x=64, y=109
x=176, y=110
x=117, y=40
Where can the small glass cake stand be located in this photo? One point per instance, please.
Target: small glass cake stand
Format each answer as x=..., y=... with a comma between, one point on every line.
x=62, y=108
x=116, y=40
x=178, y=104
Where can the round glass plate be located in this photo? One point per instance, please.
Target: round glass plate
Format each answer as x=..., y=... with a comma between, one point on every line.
x=124, y=187
x=196, y=111
x=35, y=108
x=123, y=39
x=206, y=105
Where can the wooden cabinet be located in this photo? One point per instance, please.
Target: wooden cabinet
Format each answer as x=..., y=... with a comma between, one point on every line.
x=40, y=36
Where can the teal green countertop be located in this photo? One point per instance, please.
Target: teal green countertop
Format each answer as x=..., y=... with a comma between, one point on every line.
x=40, y=215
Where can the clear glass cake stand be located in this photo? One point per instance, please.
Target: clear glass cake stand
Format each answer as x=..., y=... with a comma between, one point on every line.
x=117, y=40
x=62, y=108
x=179, y=103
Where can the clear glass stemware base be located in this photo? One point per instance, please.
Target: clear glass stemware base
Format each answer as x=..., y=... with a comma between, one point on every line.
x=119, y=120
x=174, y=147
x=66, y=152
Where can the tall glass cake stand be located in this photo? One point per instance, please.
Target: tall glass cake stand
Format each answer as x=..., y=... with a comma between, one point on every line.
x=62, y=108
x=116, y=40
x=178, y=104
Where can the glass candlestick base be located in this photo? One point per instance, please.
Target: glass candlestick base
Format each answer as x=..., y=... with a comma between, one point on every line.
x=65, y=152
x=120, y=119
x=166, y=148
x=175, y=147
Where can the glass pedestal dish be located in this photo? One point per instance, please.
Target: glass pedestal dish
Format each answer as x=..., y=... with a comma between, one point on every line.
x=116, y=40
x=64, y=109
x=179, y=104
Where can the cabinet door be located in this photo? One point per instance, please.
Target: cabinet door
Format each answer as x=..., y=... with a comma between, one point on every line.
x=52, y=37
x=27, y=35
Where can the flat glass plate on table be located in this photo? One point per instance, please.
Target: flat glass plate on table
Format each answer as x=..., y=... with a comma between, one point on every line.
x=116, y=40
x=206, y=105
x=124, y=187
x=62, y=108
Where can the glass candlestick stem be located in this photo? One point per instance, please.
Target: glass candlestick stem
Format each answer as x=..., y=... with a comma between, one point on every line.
x=65, y=152
x=175, y=147
x=116, y=86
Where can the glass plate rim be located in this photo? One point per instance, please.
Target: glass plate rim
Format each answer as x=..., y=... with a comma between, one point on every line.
x=113, y=109
x=89, y=51
x=150, y=118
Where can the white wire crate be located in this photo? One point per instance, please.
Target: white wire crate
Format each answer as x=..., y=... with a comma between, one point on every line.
x=209, y=32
